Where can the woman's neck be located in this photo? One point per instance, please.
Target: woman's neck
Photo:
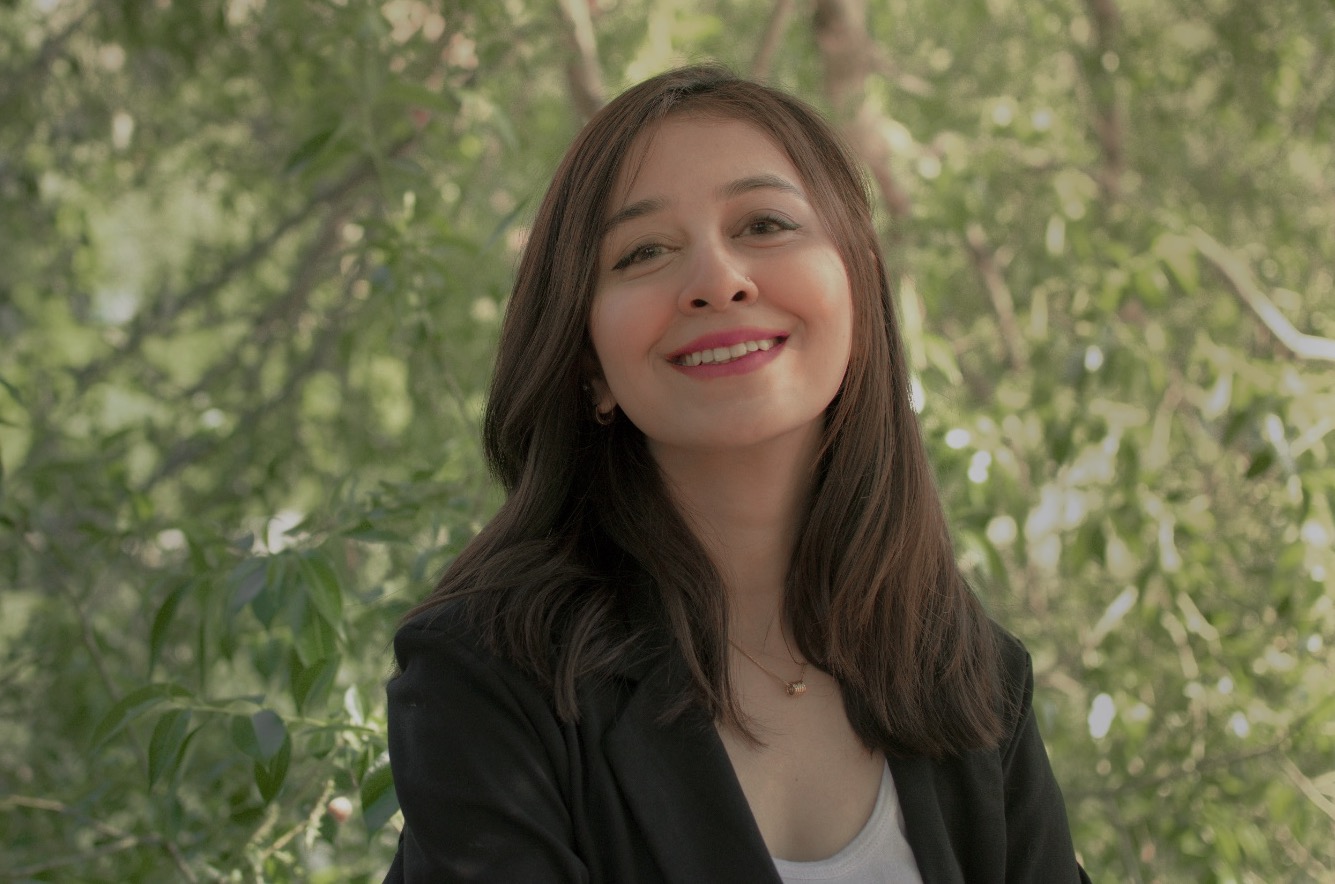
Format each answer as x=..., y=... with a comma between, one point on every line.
x=745, y=507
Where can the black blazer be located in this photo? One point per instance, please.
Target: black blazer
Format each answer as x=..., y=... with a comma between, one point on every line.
x=495, y=788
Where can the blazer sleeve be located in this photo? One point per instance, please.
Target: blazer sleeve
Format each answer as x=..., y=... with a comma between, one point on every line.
x=479, y=766
x=1038, y=834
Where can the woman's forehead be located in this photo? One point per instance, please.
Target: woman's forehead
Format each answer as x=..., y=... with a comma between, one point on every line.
x=661, y=144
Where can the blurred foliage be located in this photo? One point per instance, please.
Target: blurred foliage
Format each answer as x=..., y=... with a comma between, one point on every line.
x=252, y=259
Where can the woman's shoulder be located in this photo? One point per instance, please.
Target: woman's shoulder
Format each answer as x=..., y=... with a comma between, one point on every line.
x=448, y=618
x=433, y=640
x=1012, y=655
x=444, y=663
x=449, y=640
x=1016, y=672
x=447, y=626
x=472, y=630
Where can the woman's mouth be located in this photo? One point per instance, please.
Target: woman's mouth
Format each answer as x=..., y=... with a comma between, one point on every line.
x=722, y=355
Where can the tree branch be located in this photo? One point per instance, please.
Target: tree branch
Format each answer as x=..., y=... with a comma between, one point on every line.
x=999, y=294
x=311, y=821
x=1308, y=788
x=1146, y=784
x=124, y=840
x=18, y=81
x=583, y=71
x=769, y=41
x=1244, y=285
x=905, y=82
x=304, y=278
x=1108, y=115
x=52, y=806
x=1124, y=845
x=150, y=322
x=187, y=451
x=849, y=57
x=129, y=842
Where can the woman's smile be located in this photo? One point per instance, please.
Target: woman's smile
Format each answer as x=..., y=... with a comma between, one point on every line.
x=725, y=353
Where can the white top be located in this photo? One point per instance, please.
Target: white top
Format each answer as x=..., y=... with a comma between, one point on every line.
x=879, y=854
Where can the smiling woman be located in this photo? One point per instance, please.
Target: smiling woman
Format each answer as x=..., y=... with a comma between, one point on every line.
x=716, y=631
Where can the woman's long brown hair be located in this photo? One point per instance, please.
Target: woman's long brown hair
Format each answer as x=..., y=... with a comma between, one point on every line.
x=588, y=532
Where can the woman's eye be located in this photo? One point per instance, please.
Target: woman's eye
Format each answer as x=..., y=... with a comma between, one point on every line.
x=768, y=224
x=637, y=255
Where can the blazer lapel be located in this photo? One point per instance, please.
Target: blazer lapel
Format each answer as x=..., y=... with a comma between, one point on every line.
x=926, y=826
x=681, y=788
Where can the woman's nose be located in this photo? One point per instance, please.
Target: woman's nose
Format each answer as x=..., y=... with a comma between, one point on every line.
x=716, y=281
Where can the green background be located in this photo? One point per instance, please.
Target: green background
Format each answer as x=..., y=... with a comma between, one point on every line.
x=252, y=260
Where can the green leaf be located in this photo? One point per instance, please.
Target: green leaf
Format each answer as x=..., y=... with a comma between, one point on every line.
x=161, y=622
x=505, y=223
x=243, y=737
x=269, y=776
x=378, y=799
x=1289, y=560
x=167, y=743
x=309, y=150
x=1237, y=421
x=310, y=684
x=13, y=391
x=259, y=736
x=268, y=656
x=247, y=580
x=414, y=93
x=266, y=605
x=328, y=830
x=270, y=733
x=1089, y=545
x=319, y=743
x=374, y=535
x=247, y=815
x=131, y=706
x=1263, y=460
x=1178, y=253
x=314, y=636
x=322, y=586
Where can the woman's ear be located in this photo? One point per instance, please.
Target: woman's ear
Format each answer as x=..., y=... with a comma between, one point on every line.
x=603, y=400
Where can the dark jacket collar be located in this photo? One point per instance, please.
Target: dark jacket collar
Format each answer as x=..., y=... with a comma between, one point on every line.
x=681, y=787
x=684, y=794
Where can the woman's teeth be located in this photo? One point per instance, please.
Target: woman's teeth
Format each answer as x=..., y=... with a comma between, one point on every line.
x=725, y=354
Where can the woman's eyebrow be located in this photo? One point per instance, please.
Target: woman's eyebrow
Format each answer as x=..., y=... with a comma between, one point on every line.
x=732, y=189
x=760, y=182
x=637, y=209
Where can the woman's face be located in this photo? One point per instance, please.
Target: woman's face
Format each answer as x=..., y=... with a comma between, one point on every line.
x=722, y=315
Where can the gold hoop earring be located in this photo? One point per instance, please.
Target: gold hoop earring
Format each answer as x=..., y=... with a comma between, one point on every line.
x=605, y=418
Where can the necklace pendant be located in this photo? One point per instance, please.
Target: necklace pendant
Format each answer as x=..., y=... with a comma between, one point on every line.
x=796, y=688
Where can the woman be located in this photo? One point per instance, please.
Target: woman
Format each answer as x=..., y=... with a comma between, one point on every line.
x=716, y=632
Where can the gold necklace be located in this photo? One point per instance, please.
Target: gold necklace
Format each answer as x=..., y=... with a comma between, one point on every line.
x=794, y=688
